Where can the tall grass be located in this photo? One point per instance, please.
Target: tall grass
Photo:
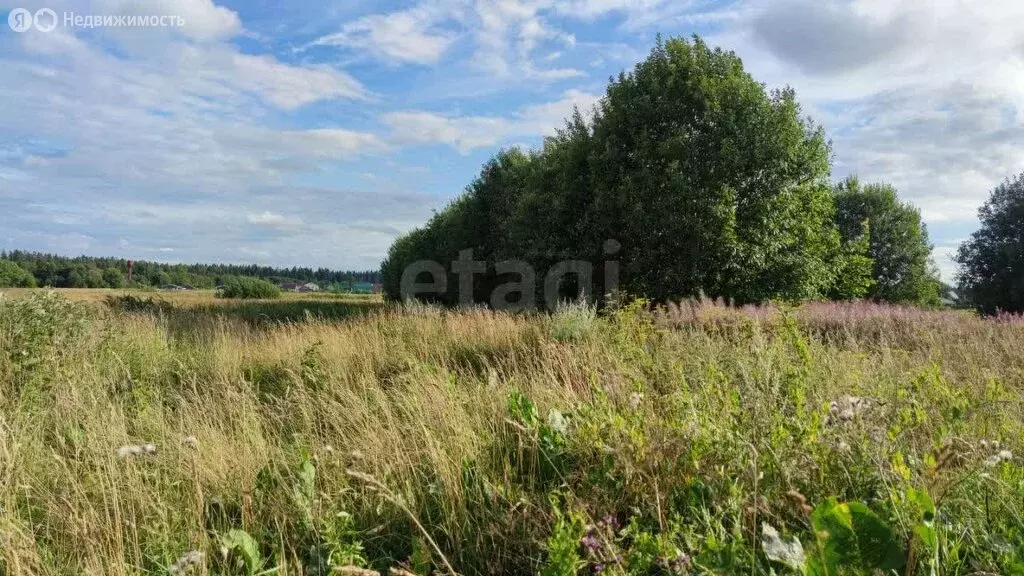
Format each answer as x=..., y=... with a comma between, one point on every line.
x=697, y=439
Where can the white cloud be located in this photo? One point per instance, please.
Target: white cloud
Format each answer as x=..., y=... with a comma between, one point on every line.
x=158, y=133
x=466, y=133
x=290, y=87
x=925, y=94
x=504, y=34
x=203, y=20
x=411, y=36
x=275, y=220
x=159, y=130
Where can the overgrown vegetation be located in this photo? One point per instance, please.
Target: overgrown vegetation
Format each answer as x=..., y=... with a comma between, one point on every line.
x=248, y=288
x=694, y=439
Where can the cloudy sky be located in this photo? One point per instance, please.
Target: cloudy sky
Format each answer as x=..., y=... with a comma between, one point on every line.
x=312, y=133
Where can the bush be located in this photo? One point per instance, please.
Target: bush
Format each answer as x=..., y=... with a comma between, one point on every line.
x=248, y=288
x=573, y=321
x=38, y=331
x=137, y=304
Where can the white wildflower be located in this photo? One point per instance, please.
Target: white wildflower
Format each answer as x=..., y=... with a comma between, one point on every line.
x=135, y=450
x=635, y=399
x=847, y=408
x=994, y=460
x=184, y=564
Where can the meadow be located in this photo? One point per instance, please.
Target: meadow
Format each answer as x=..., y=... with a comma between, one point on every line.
x=317, y=435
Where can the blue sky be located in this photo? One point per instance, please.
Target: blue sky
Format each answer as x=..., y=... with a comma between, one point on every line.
x=295, y=133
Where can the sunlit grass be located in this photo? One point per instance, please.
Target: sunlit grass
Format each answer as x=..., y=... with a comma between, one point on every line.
x=424, y=438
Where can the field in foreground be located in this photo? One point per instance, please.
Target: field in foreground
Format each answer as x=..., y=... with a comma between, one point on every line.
x=830, y=439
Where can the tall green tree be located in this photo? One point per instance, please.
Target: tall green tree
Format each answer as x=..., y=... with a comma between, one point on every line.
x=712, y=184
x=991, y=275
x=14, y=276
x=903, y=270
x=113, y=278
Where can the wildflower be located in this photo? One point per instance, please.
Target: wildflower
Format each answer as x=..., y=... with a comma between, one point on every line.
x=847, y=408
x=675, y=565
x=635, y=399
x=989, y=444
x=185, y=563
x=609, y=521
x=801, y=502
x=190, y=441
x=590, y=544
x=597, y=568
x=135, y=449
x=998, y=457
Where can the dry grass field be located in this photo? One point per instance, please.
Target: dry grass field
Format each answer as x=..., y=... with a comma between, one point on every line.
x=210, y=438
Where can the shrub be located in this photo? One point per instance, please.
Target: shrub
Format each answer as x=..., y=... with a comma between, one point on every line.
x=572, y=322
x=249, y=288
x=138, y=304
x=39, y=330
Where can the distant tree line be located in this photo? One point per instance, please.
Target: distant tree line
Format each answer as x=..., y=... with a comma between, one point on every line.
x=708, y=184
x=27, y=269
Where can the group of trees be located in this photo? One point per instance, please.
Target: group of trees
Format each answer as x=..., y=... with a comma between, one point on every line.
x=707, y=184
x=26, y=269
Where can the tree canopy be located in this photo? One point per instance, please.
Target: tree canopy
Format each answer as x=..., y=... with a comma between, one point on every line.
x=690, y=175
x=898, y=244
x=14, y=276
x=992, y=261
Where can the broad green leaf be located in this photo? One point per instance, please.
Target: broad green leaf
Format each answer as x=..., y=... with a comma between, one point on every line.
x=853, y=535
x=241, y=543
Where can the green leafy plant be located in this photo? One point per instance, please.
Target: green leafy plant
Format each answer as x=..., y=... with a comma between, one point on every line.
x=243, y=553
x=573, y=322
x=563, y=546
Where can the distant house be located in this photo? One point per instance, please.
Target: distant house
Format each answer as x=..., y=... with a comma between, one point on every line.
x=289, y=286
x=308, y=287
x=173, y=287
